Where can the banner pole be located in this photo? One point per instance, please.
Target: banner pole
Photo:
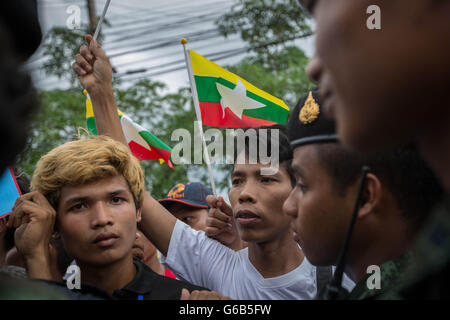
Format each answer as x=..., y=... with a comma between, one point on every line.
x=198, y=114
x=100, y=22
x=97, y=30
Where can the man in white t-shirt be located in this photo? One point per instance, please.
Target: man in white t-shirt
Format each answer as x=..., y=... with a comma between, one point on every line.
x=272, y=266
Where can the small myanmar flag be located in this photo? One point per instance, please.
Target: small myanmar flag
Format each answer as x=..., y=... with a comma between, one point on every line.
x=227, y=100
x=143, y=144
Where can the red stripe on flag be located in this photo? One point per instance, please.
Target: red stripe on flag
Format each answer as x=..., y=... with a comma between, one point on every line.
x=212, y=115
x=145, y=154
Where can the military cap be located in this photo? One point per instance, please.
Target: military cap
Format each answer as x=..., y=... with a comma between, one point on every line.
x=307, y=124
x=20, y=19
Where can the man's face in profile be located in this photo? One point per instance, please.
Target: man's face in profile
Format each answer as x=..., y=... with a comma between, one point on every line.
x=381, y=84
x=97, y=221
x=320, y=216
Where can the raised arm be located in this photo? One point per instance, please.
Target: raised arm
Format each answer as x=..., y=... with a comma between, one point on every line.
x=94, y=71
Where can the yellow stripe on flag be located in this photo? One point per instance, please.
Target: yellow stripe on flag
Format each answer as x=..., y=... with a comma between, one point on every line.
x=90, y=110
x=203, y=67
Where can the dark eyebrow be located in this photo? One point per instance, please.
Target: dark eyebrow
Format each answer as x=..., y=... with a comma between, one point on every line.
x=298, y=172
x=75, y=200
x=237, y=174
x=83, y=199
x=117, y=192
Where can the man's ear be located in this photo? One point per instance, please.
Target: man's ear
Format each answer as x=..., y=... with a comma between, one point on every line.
x=139, y=215
x=371, y=196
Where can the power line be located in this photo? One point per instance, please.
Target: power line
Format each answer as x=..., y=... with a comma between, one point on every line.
x=181, y=67
x=159, y=43
x=213, y=57
x=125, y=41
x=141, y=37
x=171, y=41
x=179, y=52
x=179, y=12
x=209, y=56
x=156, y=29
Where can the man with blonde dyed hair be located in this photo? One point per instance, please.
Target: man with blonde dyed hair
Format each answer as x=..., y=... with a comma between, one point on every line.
x=90, y=193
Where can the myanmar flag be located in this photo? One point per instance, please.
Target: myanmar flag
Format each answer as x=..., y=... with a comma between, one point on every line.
x=143, y=144
x=227, y=100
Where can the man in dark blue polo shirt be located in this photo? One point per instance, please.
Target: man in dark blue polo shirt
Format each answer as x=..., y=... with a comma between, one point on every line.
x=90, y=192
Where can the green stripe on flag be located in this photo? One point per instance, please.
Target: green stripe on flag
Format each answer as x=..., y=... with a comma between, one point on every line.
x=153, y=141
x=207, y=92
x=90, y=122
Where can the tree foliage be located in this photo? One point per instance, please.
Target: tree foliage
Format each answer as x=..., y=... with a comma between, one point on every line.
x=277, y=68
x=284, y=78
x=266, y=25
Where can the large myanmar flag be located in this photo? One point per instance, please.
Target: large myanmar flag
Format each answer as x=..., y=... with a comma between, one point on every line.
x=227, y=100
x=143, y=144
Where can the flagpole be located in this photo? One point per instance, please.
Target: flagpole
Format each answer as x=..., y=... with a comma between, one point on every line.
x=100, y=22
x=198, y=113
x=99, y=26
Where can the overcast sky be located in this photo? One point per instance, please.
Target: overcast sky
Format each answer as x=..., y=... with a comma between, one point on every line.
x=145, y=34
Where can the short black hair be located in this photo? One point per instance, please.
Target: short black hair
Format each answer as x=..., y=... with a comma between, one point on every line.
x=403, y=171
x=263, y=137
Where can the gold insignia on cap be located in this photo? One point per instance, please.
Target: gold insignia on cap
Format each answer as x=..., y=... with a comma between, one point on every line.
x=310, y=110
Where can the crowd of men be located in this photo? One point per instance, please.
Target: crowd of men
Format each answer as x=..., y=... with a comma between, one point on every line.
x=362, y=181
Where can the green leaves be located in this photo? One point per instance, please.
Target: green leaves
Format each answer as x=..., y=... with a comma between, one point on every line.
x=285, y=78
x=269, y=26
x=264, y=22
x=275, y=66
x=60, y=115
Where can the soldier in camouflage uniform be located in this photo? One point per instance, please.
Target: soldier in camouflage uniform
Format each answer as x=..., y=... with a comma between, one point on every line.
x=430, y=278
x=389, y=86
x=398, y=192
x=392, y=274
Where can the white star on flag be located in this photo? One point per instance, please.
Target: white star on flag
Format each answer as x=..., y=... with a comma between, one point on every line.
x=236, y=99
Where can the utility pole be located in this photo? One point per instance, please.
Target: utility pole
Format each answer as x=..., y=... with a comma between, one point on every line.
x=92, y=16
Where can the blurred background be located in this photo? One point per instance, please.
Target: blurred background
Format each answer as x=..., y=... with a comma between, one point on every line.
x=266, y=42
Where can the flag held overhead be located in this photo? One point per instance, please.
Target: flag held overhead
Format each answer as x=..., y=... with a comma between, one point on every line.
x=227, y=100
x=142, y=143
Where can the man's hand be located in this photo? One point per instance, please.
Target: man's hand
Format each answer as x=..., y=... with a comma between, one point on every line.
x=202, y=295
x=94, y=71
x=34, y=219
x=92, y=67
x=220, y=224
